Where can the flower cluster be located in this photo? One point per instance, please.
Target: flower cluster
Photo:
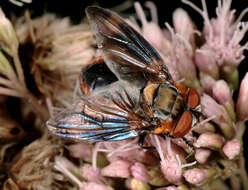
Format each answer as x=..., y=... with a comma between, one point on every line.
x=211, y=68
x=210, y=156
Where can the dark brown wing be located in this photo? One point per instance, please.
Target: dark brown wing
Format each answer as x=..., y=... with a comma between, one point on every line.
x=125, y=51
x=107, y=117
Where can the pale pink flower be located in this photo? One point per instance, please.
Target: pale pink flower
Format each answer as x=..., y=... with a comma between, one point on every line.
x=210, y=140
x=220, y=115
x=232, y=148
x=184, y=26
x=172, y=170
x=195, y=176
x=128, y=150
x=150, y=30
x=119, y=168
x=171, y=162
x=222, y=92
x=242, y=103
x=90, y=173
x=211, y=108
x=223, y=34
x=140, y=172
x=207, y=83
x=182, y=56
x=204, y=126
x=202, y=155
x=198, y=176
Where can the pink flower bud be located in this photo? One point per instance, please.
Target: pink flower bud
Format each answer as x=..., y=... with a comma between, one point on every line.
x=242, y=103
x=232, y=148
x=202, y=155
x=185, y=65
x=212, y=109
x=140, y=172
x=210, y=140
x=196, y=176
x=203, y=128
x=222, y=93
x=184, y=26
x=91, y=174
x=119, y=168
x=207, y=82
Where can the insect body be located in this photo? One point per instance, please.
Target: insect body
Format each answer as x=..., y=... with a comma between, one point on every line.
x=144, y=100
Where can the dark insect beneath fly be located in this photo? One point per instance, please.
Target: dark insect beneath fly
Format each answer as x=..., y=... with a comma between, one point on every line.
x=143, y=100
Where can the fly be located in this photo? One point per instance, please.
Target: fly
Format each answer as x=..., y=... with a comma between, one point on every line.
x=144, y=100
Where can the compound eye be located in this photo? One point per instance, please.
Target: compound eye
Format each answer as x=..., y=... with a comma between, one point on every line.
x=183, y=125
x=193, y=98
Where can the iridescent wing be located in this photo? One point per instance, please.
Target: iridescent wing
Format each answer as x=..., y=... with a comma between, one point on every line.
x=106, y=115
x=125, y=51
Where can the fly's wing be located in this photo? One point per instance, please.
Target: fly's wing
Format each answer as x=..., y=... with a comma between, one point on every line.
x=125, y=51
x=107, y=115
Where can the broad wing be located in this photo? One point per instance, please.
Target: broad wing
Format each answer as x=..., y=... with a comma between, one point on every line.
x=107, y=117
x=125, y=51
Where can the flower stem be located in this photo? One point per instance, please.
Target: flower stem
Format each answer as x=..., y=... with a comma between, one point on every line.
x=5, y=82
x=19, y=69
x=240, y=132
x=10, y=92
x=243, y=173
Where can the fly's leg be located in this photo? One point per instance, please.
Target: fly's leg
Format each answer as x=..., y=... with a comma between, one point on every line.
x=188, y=143
x=142, y=141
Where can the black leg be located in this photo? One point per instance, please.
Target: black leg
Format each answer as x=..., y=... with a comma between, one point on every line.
x=142, y=140
x=188, y=143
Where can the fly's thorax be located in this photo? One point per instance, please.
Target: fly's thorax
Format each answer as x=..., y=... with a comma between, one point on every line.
x=164, y=99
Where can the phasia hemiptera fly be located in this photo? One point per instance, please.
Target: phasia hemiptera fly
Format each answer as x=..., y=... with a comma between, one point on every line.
x=145, y=99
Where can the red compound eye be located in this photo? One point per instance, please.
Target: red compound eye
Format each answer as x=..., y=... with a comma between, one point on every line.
x=183, y=125
x=193, y=98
